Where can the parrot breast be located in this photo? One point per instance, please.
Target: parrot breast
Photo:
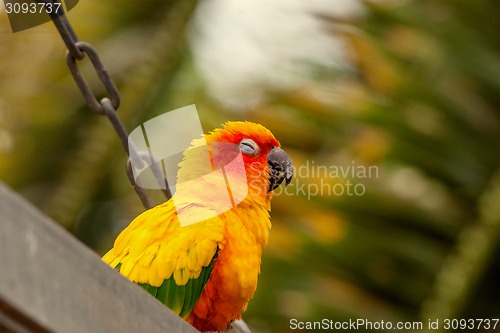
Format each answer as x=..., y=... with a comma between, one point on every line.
x=234, y=278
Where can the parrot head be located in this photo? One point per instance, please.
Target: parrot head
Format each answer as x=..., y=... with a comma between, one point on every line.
x=267, y=165
x=248, y=154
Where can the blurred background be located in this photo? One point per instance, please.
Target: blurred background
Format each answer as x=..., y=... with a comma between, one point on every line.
x=389, y=110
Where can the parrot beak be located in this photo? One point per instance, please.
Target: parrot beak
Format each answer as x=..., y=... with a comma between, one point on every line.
x=280, y=168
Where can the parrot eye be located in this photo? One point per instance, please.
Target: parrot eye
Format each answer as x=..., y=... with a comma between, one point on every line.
x=249, y=147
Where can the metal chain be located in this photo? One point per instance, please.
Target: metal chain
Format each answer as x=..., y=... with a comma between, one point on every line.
x=108, y=106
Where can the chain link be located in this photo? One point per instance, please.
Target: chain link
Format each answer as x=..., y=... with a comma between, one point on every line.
x=108, y=105
x=103, y=75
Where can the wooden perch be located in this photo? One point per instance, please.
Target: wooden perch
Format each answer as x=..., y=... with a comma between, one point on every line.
x=50, y=282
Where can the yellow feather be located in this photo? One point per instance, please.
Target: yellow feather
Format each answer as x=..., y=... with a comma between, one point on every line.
x=123, y=240
x=180, y=277
x=195, y=274
x=142, y=239
x=115, y=262
x=162, y=269
x=133, y=274
x=127, y=265
x=164, y=253
x=192, y=263
x=144, y=274
x=115, y=259
x=149, y=254
x=169, y=268
x=208, y=253
x=109, y=258
x=155, y=279
x=181, y=261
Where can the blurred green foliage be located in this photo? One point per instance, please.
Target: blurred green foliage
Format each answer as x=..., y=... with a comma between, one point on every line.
x=421, y=107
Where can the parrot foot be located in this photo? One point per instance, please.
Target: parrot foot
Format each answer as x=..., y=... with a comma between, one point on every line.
x=239, y=326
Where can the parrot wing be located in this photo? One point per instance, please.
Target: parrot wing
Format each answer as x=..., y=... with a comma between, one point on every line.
x=171, y=262
x=181, y=299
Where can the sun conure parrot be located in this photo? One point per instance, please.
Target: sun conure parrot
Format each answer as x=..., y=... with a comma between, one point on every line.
x=207, y=271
